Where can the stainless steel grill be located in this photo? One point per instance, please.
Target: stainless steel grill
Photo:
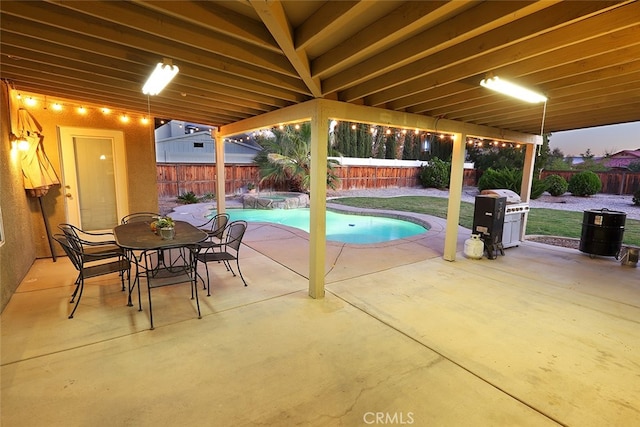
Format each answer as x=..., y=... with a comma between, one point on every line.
x=513, y=216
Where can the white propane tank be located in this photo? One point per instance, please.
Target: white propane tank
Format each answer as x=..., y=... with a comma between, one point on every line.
x=474, y=247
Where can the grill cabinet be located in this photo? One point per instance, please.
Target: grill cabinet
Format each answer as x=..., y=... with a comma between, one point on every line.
x=488, y=222
x=513, y=216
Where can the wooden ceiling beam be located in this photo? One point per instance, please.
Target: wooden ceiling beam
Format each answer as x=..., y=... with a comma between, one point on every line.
x=238, y=106
x=483, y=105
x=567, y=62
x=328, y=17
x=273, y=16
x=390, y=31
x=498, y=48
x=213, y=16
x=129, y=22
x=464, y=26
x=203, y=112
x=180, y=55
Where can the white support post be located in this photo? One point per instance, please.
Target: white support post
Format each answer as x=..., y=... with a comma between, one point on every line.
x=318, y=200
x=455, y=196
x=527, y=180
x=220, y=173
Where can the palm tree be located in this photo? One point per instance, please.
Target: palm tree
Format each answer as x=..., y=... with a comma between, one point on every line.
x=286, y=159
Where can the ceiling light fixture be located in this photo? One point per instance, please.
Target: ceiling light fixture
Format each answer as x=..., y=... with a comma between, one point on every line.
x=511, y=89
x=164, y=72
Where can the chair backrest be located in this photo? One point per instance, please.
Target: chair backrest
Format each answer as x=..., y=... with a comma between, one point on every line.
x=140, y=217
x=72, y=236
x=234, y=233
x=70, y=250
x=219, y=224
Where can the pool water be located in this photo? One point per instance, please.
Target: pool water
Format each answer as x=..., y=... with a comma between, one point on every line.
x=341, y=227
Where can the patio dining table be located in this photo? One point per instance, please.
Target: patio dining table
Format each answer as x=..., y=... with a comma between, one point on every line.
x=138, y=236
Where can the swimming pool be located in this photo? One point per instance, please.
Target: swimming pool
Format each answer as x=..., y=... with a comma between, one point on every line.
x=341, y=227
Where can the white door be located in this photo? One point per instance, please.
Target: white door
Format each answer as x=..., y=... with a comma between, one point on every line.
x=94, y=176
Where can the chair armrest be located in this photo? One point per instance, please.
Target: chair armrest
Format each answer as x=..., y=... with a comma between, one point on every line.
x=209, y=245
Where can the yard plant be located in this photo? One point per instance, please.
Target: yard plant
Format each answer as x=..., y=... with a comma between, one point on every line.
x=585, y=183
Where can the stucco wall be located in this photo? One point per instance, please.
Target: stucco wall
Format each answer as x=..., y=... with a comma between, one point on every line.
x=19, y=250
x=23, y=221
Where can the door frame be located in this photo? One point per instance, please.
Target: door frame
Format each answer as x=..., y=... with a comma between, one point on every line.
x=66, y=134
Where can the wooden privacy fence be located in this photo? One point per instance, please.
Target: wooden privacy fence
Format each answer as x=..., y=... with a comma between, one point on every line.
x=613, y=182
x=175, y=179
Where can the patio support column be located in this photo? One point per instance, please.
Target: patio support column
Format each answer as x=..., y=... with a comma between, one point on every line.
x=220, y=173
x=318, y=200
x=455, y=196
x=527, y=179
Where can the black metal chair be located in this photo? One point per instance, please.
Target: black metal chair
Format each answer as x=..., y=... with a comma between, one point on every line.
x=170, y=266
x=140, y=217
x=88, y=267
x=92, y=246
x=215, y=226
x=226, y=251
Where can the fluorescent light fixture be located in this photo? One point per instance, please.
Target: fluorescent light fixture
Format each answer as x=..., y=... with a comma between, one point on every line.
x=164, y=72
x=507, y=88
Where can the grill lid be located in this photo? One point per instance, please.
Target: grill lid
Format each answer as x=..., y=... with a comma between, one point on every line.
x=512, y=196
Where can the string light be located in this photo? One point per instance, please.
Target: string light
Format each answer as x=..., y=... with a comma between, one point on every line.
x=493, y=144
x=33, y=101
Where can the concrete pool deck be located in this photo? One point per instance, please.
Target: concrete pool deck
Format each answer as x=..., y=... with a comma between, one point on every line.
x=541, y=336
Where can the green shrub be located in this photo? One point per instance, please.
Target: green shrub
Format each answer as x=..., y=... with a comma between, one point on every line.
x=505, y=178
x=636, y=198
x=556, y=185
x=538, y=187
x=435, y=174
x=188, y=198
x=585, y=183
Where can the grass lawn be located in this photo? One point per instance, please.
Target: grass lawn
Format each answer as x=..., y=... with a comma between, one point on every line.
x=548, y=222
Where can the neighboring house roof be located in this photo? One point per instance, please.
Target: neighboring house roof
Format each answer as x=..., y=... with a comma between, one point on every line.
x=622, y=159
x=181, y=142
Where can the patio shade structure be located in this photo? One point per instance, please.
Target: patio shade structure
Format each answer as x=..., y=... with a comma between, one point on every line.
x=242, y=59
x=244, y=65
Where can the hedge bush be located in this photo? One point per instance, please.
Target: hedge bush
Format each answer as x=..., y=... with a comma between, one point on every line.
x=556, y=185
x=538, y=187
x=585, y=183
x=506, y=178
x=435, y=174
x=509, y=179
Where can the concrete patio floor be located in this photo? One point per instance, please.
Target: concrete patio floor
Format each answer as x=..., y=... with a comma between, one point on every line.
x=541, y=336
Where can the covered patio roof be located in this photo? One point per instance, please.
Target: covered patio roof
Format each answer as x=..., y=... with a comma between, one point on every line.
x=418, y=64
x=242, y=59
